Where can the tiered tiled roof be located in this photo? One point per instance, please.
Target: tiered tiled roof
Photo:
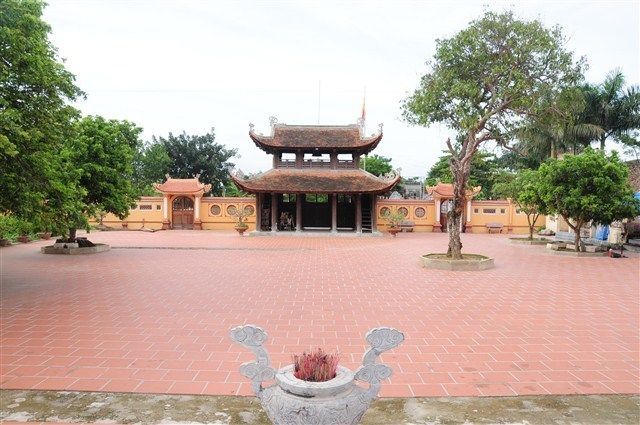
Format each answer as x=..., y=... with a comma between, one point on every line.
x=445, y=190
x=182, y=186
x=291, y=180
x=346, y=138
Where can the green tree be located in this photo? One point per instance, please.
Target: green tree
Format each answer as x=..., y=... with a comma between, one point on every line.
x=614, y=109
x=151, y=165
x=199, y=155
x=485, y=172
x=558, y=129
x=35, y=118
x=525, y=191
x=103, y=153
x=589, y=187
x=376, y=165
x=481, y=83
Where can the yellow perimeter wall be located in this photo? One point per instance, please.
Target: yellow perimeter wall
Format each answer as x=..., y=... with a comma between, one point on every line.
x=215, y=214
x=481, y=214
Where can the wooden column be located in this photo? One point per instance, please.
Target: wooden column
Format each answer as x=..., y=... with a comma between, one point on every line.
x=359, y=213
x=334, y=213
x=299, y=211
x=374, y=213
x=258, y=212
x=333, y=156
x=274, y=212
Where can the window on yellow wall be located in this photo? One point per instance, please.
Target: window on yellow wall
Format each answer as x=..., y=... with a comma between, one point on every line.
x=488, y=211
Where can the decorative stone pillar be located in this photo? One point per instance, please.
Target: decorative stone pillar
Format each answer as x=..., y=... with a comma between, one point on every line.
x=197, y=223
x=467, y=227
x=511, y=216
x=437, y=227
x=274, y=212
x=166, y=224
x=334, y=213
x=359, y=213
x=299, y=212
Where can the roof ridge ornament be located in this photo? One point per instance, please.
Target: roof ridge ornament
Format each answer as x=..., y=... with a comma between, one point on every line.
x=272, y=122
x=251, y=127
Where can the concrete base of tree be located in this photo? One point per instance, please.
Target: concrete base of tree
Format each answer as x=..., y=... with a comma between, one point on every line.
x=527, y=241
x=572, y=253
x=470, y=262
x=100, y=247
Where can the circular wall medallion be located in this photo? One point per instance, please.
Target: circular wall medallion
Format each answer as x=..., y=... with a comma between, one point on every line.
x=231, y=209
x=384, y=211
x=420, y=212
x=215, y=210
x=248, y=209
x=403, y=211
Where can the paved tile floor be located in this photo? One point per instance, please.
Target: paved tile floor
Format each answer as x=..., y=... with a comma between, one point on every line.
x=152, y=316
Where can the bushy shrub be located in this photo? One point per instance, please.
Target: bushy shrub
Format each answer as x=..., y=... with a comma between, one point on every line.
x=9, y=227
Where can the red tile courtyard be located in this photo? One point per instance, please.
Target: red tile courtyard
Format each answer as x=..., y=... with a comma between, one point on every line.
x=153, y=314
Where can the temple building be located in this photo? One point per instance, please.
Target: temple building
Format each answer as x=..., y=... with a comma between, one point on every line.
x=316, y=183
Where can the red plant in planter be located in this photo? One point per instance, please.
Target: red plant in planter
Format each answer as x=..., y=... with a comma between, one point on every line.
x=315, y=366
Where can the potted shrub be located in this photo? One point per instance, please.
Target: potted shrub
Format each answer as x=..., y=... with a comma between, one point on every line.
x=241, y=225
x=24, y=229
x=8, y=229
x=393, y=219
x=335, y=400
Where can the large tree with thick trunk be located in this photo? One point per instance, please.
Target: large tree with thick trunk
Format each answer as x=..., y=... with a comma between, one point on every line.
x=482, y=83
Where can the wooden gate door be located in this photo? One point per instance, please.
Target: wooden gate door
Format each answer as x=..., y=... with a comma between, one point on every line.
x=182, y=214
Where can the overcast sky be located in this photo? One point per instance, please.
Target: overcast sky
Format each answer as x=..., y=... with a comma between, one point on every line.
x=173, y=66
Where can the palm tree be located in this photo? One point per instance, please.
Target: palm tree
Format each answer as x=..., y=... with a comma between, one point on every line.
x=559, y=130
x=613, y=108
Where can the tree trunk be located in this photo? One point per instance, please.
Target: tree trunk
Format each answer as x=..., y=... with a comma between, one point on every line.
x=554, y=152
x=72, y=234
x=602, y=140
x=577, y=240
x=531, y=225
x=453, y=227
x=461, y=171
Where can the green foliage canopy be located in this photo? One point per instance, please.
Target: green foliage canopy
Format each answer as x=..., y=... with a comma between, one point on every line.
x=613, y=108
x=35, y=118
x=486, y=172
x=589, y=187
x=102, y=153
x=198, y=155
x=525, y=191
x=376, y=164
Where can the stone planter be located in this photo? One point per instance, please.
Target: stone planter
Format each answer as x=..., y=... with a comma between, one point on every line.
x=527, y=241
x=240, y=229
x=337, y=401
x=69, y=249
x=393, y=231
x=5, y=242
x=23, y=238
x=469, y=262
x=45, y=236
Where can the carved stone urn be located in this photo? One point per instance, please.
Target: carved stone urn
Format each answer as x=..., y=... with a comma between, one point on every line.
x=337, y=401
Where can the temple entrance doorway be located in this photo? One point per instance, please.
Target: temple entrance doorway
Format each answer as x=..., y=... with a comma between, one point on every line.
x=445, y=206
x=346, y=213
x=316, y=211
x=182, y=213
